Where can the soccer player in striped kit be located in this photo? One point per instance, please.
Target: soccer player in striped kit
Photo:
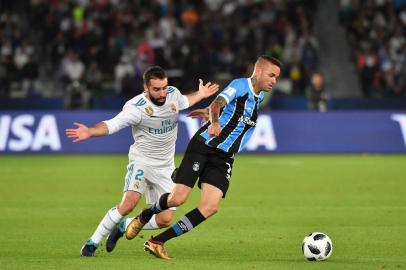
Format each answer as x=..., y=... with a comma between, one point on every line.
x=210, y=154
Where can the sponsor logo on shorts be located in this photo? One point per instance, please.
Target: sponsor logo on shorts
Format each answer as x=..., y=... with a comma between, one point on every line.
x=196, y=166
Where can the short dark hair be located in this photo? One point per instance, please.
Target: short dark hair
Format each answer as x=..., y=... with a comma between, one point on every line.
x=272, y=60
x=154, y=72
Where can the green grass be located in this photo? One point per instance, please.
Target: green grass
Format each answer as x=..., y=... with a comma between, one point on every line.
x=49, y=206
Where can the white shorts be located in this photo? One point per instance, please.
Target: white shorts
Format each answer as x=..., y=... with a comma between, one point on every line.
x=148, y=180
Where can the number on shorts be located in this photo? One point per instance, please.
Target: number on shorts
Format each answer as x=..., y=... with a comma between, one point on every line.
x=139, y=174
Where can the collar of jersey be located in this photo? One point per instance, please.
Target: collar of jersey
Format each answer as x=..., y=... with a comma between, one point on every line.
x=251, y=87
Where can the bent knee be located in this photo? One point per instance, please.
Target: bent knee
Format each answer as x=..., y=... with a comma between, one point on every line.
x=164, y=222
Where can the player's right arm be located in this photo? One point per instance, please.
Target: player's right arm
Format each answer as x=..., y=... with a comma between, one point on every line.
x=129, y=116
x=82, y=132
x=214, y=113
x=225, y=97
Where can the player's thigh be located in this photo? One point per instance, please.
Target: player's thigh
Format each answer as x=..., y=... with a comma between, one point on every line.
x=192, y=164
x=210, y=199
x=179, y=195
x=158, y=182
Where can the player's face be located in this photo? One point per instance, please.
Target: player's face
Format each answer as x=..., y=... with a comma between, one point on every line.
x=156, y=91
x=269, y=76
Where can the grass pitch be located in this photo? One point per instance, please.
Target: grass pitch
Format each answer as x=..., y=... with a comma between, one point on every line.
x=49, y=206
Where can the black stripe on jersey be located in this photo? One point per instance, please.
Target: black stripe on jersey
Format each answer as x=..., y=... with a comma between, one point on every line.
x=236, y=144
x=203, y=128
x=206, y=125
x=232, y=124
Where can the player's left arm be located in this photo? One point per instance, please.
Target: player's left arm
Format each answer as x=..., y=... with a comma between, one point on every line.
x=205, y=90
x=225, y=97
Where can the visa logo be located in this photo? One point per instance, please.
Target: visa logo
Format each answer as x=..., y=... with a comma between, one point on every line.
x=25, y=132
x=401, y=119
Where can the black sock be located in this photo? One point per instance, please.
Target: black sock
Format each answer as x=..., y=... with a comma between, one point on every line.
x=156, y=208
x=185, y=224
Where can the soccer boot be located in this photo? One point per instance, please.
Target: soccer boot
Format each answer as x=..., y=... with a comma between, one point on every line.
x=88, y=249
x=157, y=249
x=114, y=236
x=134, y=227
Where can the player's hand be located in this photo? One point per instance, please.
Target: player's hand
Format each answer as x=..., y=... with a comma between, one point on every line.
x=207, y=89
x=200, y=113
x=81, y=133
x=214, y=130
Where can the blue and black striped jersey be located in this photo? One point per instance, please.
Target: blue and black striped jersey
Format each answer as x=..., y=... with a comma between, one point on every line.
x=237, y=119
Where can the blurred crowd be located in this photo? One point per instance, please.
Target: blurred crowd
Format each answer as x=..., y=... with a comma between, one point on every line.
x=376, y=31
x=85, y=48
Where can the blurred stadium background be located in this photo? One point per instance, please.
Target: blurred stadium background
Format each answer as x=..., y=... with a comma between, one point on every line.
x=91, y=54
x=342, y=91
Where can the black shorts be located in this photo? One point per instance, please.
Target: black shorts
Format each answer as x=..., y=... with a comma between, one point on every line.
x=211, y=165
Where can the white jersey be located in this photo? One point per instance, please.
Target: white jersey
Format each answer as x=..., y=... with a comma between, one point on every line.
x=154, y=128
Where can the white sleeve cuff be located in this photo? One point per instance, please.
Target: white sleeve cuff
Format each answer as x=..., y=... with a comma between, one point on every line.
x=111, y=126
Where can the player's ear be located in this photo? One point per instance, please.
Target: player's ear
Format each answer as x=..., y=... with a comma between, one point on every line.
x=258, y=72
x=145, y=88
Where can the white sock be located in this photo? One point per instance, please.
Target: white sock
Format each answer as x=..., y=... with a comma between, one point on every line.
x=127, y=222
x=110, y=220
x=151, y=225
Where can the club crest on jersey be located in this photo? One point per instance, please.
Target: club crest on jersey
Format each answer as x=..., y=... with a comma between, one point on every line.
x=196, y=166
x=173, y=107
x=149, y=110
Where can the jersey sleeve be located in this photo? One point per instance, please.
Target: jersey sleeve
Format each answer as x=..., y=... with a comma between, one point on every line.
x=183, y=102
x=129, y=116
x=231, y=91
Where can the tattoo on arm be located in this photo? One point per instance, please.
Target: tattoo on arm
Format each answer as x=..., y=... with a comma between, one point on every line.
x=215, y=108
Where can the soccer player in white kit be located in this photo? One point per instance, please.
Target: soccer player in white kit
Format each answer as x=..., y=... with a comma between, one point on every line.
x=153, y=118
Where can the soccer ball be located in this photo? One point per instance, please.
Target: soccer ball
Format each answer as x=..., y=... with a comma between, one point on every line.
x=317, y=246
